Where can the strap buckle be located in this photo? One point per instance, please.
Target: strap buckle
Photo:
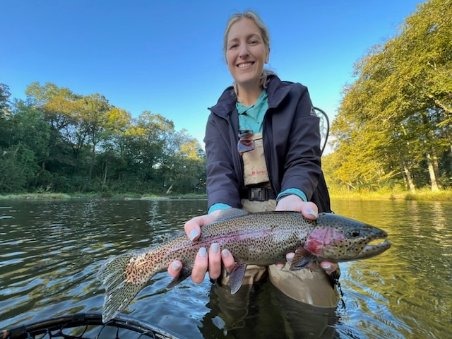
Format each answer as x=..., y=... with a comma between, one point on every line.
x=259, y=194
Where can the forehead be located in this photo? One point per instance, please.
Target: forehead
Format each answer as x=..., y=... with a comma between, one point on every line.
x=243, y=28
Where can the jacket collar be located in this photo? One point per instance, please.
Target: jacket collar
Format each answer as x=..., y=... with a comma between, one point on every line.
x=277, y=90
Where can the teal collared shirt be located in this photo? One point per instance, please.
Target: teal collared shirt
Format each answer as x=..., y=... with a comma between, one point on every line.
x=252, y=118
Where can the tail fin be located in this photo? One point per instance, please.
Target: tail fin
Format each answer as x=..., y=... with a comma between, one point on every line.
x=118, y=291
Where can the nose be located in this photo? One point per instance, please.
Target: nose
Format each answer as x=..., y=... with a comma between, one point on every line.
x=243, y=51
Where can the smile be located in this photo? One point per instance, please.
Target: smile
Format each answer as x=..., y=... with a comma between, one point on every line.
x=245, y=65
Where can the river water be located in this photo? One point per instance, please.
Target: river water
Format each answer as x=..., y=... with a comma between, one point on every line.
x=50, y=252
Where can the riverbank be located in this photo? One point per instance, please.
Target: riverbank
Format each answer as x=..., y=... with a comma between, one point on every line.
x=421, y=195
x=119, y=196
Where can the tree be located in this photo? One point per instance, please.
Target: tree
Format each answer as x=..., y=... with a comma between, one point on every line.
x=4, y=100
x=401, y=103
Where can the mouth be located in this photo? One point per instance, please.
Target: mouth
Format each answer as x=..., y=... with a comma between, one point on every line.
x=245, y=65
x=375, y=247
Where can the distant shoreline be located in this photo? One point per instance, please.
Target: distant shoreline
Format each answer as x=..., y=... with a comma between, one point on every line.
x=87, y=196
x=422, y=195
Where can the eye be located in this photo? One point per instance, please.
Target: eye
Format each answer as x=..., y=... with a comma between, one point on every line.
x=355, y=234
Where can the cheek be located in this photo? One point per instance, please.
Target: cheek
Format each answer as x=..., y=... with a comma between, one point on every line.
x=229, y=58
x=323, y=239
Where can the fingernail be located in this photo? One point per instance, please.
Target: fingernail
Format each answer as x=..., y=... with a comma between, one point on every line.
x=215, y=247
x=327, y=267
x=312, y=212
x=289, y=257
x=225, y=253
x=176, y=265
x=193, y=234
x=202, y=252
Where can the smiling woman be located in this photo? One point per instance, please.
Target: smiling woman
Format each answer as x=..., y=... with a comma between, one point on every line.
x=263, y=154
x=247, y=48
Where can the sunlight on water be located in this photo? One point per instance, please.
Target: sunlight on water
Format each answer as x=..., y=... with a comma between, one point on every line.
x=51, y=251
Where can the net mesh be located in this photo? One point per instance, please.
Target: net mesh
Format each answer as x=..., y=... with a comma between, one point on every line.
x=87, y=325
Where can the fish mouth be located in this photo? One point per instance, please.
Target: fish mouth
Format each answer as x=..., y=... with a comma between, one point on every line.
x=375, y=246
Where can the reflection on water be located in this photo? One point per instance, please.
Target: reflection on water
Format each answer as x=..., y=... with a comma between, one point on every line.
x=50, y=253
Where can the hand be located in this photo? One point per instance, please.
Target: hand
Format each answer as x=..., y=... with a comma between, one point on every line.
x=310, y=211
x=206, y=259
x=294, y=203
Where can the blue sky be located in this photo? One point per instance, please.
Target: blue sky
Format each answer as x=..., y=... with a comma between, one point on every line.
x=166, y=56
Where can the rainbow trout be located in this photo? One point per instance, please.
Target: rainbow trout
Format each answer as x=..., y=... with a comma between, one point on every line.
x=253, y=238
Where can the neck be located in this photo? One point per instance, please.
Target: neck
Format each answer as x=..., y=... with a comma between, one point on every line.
x=248, y=96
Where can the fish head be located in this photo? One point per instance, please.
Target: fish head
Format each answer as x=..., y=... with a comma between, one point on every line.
x=336, y=238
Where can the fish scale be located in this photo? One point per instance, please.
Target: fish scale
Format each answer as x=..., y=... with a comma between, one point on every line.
x=256, y=238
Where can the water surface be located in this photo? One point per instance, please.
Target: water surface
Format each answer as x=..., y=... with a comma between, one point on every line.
x=50, y=252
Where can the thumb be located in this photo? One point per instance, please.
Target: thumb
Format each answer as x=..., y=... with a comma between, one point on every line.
x=310, y=210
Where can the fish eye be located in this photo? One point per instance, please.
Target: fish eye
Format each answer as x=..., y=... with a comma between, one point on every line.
x=355, y=234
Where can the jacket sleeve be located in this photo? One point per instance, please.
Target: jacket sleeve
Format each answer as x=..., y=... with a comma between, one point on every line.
x=222, y=182
x=302, y=161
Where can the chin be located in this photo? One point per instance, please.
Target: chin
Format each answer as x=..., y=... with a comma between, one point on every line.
x=247, y=81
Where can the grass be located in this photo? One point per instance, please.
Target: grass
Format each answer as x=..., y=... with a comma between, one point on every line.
x=420, y=195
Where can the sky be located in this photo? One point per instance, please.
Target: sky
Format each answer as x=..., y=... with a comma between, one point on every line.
x=167, y=56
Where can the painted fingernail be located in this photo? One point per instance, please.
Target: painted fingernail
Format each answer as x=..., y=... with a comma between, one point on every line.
x=327, y=267
x=215, y=247
x=312, y=212
x=225, y=253
x=202, y=252
x=176, y=265
x=193, y=234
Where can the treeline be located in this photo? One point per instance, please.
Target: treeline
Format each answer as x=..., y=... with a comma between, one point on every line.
x=60, y=141
x=393, y=127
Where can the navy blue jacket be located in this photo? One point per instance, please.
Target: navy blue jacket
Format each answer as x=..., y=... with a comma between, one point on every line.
x=291, y=146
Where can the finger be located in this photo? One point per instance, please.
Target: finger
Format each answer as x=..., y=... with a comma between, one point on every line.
x=279, y=265
x=328, y=266
x=200, y=266
x=214, y=261
x=174, y=268
x=290, y=256
x=310, y=210
x=193, y=228
x=228, y=260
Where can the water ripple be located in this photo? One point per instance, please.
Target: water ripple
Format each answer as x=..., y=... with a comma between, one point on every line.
x=50, y=253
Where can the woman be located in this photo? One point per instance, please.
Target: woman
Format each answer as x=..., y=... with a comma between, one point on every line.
x=263, y=153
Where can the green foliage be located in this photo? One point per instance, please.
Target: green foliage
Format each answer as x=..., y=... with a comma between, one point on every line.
x=17, y=168
x=64, y=142
x=394, y=122
x=4, y=100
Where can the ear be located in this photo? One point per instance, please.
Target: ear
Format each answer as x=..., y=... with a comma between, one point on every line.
x=268, y=56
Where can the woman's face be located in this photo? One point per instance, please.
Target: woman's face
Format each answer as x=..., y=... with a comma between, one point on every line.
x=246, y=53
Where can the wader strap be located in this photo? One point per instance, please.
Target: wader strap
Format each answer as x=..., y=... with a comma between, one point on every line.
x=258, y=194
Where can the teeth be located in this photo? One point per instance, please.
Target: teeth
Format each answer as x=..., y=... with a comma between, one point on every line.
x=244, y=65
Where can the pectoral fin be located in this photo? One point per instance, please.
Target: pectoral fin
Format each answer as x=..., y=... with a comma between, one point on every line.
x=236, y=277
x=302, y=259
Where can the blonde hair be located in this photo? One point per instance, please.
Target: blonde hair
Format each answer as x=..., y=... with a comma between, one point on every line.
x=264, y=34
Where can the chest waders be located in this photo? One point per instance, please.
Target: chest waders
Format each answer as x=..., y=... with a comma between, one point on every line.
x=310, y=286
